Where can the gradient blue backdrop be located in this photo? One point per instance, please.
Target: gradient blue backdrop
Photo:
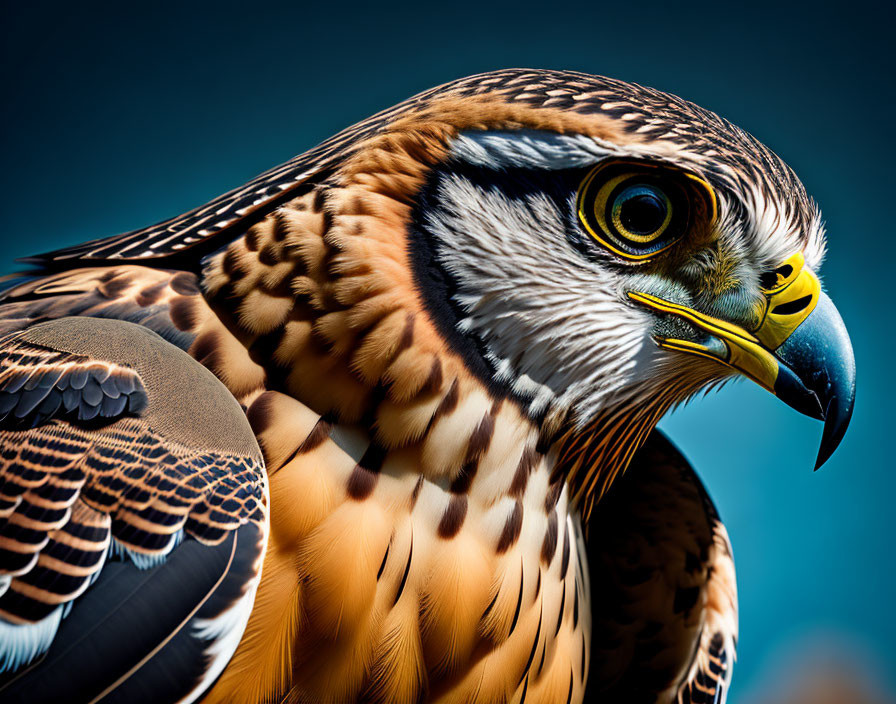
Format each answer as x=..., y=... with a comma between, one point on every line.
x=116, y=118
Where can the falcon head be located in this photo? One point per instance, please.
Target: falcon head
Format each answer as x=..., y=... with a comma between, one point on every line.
x=604, y=251
x=593, y=250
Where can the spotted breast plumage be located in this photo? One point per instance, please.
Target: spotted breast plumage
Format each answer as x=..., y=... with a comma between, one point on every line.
x=378, y=426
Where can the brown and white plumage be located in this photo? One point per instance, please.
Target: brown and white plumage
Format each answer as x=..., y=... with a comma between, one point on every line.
x=444, y=372
x=105, y=468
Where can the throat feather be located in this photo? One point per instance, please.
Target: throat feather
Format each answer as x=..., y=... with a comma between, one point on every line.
x=592, y=458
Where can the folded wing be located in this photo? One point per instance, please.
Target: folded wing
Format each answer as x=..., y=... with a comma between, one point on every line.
x=133, y=515
x=664, y=600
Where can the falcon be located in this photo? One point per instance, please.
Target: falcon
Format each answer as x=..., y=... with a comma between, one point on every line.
x=378, y=426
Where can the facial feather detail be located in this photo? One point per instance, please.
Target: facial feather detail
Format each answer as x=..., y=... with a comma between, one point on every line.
x=531, y=297
x=554, y=323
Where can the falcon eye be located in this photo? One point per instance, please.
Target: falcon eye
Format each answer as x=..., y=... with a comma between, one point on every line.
x=637, y=210
x=641, y=212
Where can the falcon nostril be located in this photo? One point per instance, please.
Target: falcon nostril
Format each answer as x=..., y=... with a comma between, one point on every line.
x=770, y=279
x=792, y=307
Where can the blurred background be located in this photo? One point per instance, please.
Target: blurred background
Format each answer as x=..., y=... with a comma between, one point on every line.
x=115, y=116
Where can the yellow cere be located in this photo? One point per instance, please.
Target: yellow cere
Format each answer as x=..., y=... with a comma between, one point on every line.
x=788, y=303
x=785, y=306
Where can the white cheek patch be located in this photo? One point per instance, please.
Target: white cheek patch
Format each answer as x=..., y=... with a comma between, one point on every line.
x=553, y=323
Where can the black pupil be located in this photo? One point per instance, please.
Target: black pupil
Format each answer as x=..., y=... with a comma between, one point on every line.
x=643, y=213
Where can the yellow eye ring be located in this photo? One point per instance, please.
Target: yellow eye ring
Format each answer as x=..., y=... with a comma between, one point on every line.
x=639, y=210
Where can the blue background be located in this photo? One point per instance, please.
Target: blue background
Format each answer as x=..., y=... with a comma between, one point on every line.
x=115, y=118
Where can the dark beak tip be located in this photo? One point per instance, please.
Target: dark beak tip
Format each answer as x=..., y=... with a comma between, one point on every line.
x=836, y=421
x=818, y=374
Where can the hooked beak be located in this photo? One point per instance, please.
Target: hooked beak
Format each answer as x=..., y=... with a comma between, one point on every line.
x=800, y=351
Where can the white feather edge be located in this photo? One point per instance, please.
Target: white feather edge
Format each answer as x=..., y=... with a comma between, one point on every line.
x=225, y=631
x=145, y=561
x=21, y=643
